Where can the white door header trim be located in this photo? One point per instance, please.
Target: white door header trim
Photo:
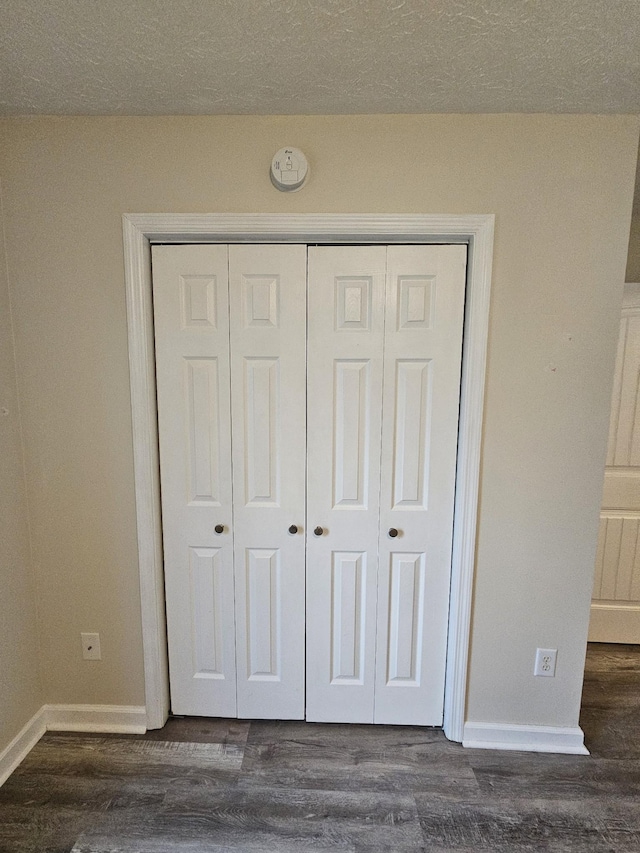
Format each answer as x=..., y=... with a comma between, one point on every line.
x=307, y=228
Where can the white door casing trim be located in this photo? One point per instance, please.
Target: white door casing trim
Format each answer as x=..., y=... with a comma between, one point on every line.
x=142, y=229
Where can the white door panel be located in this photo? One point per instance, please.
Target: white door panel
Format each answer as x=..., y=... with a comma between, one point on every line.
x=422, y=358
x=268, y=317
x=190, y=295
x=346, y=337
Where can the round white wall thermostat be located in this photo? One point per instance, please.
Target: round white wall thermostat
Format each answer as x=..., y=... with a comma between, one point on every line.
x=289, y=170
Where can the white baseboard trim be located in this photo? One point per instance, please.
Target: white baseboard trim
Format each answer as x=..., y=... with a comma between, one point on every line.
x=22, y=744
x=617, y=622
x=110, y=719
x=568, y=739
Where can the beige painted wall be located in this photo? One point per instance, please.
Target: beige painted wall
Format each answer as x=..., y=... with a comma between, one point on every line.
x=561, y=189
x=20, y=692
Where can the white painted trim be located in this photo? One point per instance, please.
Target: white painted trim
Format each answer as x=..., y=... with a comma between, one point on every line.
x=631, y=299
x=474, y=359
x=141, y=229
x=569, y=740
x=110, y=719
x=621, y=473
x=608, y=607
x=614, y=622
x=147, y=470
x=15, y=752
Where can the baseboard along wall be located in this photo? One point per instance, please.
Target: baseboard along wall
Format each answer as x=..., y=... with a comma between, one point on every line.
x=617, y=622
x=110, y=719
x=132, y=719
x=17, y=750
x=568, y=740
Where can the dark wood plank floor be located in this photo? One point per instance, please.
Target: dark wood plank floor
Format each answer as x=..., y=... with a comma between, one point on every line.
x=228, y=785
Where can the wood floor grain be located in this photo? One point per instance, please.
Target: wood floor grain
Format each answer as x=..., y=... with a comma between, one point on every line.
x=290, y=787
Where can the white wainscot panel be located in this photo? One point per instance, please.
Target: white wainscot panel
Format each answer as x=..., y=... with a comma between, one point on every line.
x=198, y=301
x=351, y=434
x=348, y=585
x=203, y=426
x=206, y=608
x=412, y=440
x=261, y=431
x=405, y=619
x=263, y=614
x=617, y=575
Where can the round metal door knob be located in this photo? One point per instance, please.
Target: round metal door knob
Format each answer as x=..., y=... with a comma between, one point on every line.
x=318, y=531
x=219, y=528
x=393, y=532
x=293, y=529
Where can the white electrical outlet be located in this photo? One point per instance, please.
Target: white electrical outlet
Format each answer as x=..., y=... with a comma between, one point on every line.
x=545, y=662
x=91, y=646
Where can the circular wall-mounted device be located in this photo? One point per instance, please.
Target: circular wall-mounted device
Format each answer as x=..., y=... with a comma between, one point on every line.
x=289, y=170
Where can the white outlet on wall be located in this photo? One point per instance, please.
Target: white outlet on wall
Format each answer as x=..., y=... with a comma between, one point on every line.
x=91, y=646
x=545, y=662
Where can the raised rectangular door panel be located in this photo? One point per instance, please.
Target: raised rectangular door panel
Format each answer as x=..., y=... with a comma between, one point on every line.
x=268, y=383
x=425, y=288
x=405, y=610
x=345, y=349
x=348, y=623
x=191, y=314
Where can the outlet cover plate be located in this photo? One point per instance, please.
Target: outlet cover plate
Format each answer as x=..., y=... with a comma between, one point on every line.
x=91, y=646
x=545, y=662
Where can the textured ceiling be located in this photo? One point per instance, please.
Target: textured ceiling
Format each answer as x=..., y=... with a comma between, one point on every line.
x=151, y=57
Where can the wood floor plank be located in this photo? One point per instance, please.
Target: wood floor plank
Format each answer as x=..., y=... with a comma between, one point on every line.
x=38, y=829
x=517, y=774
x=202, y=730
x=25, y=788
x=612, y=733
x=148, y=831
x=256, y=818
x=155, y=845
x=340, y=815
x=530, y=824
x=264, y=819
x=373, y=758
x=113, y=755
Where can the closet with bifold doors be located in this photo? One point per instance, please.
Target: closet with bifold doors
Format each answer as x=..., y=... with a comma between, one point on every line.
x=308, y=411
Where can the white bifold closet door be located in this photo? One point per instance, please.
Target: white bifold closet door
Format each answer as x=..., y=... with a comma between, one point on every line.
x=341, y=365
x=232, y=457
x=384, y=357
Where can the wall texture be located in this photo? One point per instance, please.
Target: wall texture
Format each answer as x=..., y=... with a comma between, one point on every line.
x=20, y=693
x=561, y=188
